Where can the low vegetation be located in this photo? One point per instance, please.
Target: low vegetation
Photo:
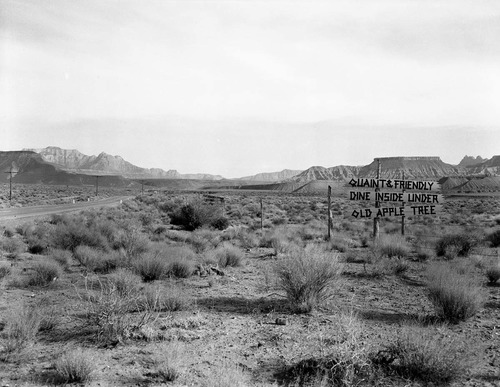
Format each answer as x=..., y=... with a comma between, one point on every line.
x=308, y=276
x=456, y=297
x=161, y=288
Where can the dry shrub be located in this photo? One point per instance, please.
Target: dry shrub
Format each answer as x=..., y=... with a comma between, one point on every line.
x=455, y=296
x=158, y=299
x=198, y=214
x=168, y=360
x=493, y=274
x=227, y=375
x=74, y=366
x=391, y=246
x=12, y=246
x=4, y=271
x=126, y=282
x=424, y=355
x=133, y=242
x=451, y=246
x=68, y=235
x=62, y=257
x=344, y=359
x=308, y=275
x=106, y=310
x=97, y=260
x=43, y=273
x=21, y=326
x=226, y=255
x=494, y=238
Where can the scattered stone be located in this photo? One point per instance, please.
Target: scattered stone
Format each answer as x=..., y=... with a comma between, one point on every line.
x=281, y=321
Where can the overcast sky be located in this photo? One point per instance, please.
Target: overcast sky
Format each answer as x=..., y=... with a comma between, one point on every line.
x=240, y=87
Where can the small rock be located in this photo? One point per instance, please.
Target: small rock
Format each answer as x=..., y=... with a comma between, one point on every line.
x=281, y=321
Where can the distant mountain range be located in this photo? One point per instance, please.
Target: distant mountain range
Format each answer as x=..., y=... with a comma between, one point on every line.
x=72, y=160
x=53, y=165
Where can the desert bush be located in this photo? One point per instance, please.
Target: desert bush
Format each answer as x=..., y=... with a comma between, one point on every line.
x=8, y=232
x=21, y=326
x=36, y=245
x=126, y=283
x=4, y=271
x=226, y=255
x=493, y=273
x=70, y=235
x=168, y=360
x=494, y=238
x=198, y=214
x=133, y=242
x=391, y=246
x=158, y=299
x=74, y=366
x=62, y=257
x=454, y=245
x=456, y=297
x=344, y=359
x=227, y=375
x=43, y=273
x=419, y=354
x=12, y=246
x=151, y=266
x=307, y=275
x=106, y=310
x=96, y=260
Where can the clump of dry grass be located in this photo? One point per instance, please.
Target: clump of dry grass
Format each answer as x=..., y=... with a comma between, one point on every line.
x=455, y=296
x=391, y=246
x=308, y=275
x=226, y=255
x=424, y=355
x=21, y=326
x=343, y=360
x=168, y=360
x=227, y=375
x=493, y=273
x=74, y=366
x=43, y=273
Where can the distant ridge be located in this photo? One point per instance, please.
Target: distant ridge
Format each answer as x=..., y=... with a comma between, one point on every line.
x=468, y=161
x=72, y=160
x=418, y=167
x=272, y=176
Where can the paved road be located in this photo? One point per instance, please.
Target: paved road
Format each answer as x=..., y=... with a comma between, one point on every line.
x=36, y=211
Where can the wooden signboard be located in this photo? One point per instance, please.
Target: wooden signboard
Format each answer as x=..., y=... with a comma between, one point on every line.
x=423, y=197
x=407, y=185
x=383, y=212
x=403, y=197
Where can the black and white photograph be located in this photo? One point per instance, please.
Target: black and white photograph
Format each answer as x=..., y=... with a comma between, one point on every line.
x=240, y=193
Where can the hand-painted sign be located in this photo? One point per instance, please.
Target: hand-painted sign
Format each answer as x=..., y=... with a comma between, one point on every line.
x=373, y=212
x=406, y=197
x=408, y=185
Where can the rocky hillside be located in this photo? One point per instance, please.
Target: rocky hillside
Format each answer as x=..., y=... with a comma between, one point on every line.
x=322, y=173
x=489, y=167
x=74, y=161
x=33, y=169
x=467, y=161
x=390, y=168
x=272, y=176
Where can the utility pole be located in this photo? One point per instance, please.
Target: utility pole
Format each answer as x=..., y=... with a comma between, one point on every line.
x=329, y=211
x=96, y=185
x=376, y=220
x=403, y=204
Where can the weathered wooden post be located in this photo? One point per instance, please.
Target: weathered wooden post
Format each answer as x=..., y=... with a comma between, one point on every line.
x=261, y=215
x=376, y=220
x=403, y=204
x=329, y=211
